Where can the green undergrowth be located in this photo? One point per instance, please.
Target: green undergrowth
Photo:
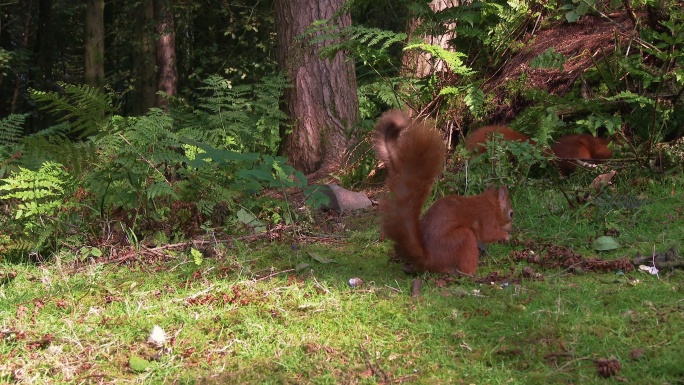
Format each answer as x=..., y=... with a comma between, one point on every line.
x=284, y=312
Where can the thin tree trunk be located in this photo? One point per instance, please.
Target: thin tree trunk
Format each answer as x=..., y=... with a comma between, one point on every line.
x=421, y=64
x=322, y=104
x=167, y=80
x=145, y=60
x=44, y=43
x=17, y=85
x=94, y=44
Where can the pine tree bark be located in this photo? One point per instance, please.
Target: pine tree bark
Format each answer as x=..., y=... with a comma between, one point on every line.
x=94, y=44
x=167, y=80
x=323, y=103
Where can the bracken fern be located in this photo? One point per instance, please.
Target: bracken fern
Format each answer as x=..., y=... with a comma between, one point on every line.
x=85, y=108
x=166, y=169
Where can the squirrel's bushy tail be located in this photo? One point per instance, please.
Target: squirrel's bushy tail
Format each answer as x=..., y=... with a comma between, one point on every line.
x=413, y=153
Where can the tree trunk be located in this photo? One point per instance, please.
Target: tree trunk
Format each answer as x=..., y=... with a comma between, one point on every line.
x=145, y=60
x=421, y=64
x=323, y=103
x=18, y=79
x=94, y=44
x=167, y=80
x=45, y=43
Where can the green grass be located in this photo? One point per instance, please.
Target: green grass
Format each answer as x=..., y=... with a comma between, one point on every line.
x=245, y=315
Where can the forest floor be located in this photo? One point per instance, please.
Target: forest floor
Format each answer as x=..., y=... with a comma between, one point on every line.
x=279, y=308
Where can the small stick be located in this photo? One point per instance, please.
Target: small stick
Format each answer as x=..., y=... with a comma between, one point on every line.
x=415, y=288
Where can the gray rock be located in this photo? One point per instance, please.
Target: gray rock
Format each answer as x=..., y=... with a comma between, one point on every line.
x=342, y=199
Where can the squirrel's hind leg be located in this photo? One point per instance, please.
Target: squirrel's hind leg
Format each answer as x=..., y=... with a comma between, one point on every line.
x=453, y=252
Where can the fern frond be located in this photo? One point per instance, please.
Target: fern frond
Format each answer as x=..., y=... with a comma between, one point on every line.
x=630, y=97
x=475, y=100
x=11, y=150
x=84, y=108
x=77, y=158
x=160, y=188
x=385, y=91
x=243, y=118
x=370, y=45
x=378, y=38
x=17, y=245
x=39, y=192
x=451, y=58
x=11, y=129
x=549, y=59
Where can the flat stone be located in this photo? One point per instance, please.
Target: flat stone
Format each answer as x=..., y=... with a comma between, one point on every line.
x=342, y=199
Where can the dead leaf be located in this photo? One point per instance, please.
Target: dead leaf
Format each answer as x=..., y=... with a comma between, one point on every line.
x=602, y=180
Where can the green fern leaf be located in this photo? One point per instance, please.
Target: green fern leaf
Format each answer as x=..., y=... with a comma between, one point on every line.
x=11, y=129
x=39, y=192
x=84, y=108
x=452, y=59
x=549, y=59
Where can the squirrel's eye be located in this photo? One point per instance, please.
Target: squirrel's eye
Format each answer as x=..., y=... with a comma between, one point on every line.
x=510, y=214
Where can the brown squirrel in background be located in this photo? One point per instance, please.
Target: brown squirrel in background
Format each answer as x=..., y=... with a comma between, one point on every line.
x=579, y=146
x=566, y=148
x=475, y=141
x=445, y=239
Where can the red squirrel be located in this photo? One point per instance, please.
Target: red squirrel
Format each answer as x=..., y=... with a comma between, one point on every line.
x=579, y=146
x=566, y=148
x=445, y=239
x=475, y=141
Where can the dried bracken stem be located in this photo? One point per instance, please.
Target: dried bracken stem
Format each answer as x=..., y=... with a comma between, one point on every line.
x=415, y=288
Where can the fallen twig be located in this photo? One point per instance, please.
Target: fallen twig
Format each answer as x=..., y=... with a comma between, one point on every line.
x=415, y=288
x=376, y=372
x=274, y=274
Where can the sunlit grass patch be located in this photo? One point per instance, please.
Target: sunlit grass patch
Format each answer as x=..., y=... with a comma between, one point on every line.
x=284, y=311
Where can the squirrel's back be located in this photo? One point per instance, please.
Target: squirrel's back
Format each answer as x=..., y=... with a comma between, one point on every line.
x=580, y=146
x=475, y=140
